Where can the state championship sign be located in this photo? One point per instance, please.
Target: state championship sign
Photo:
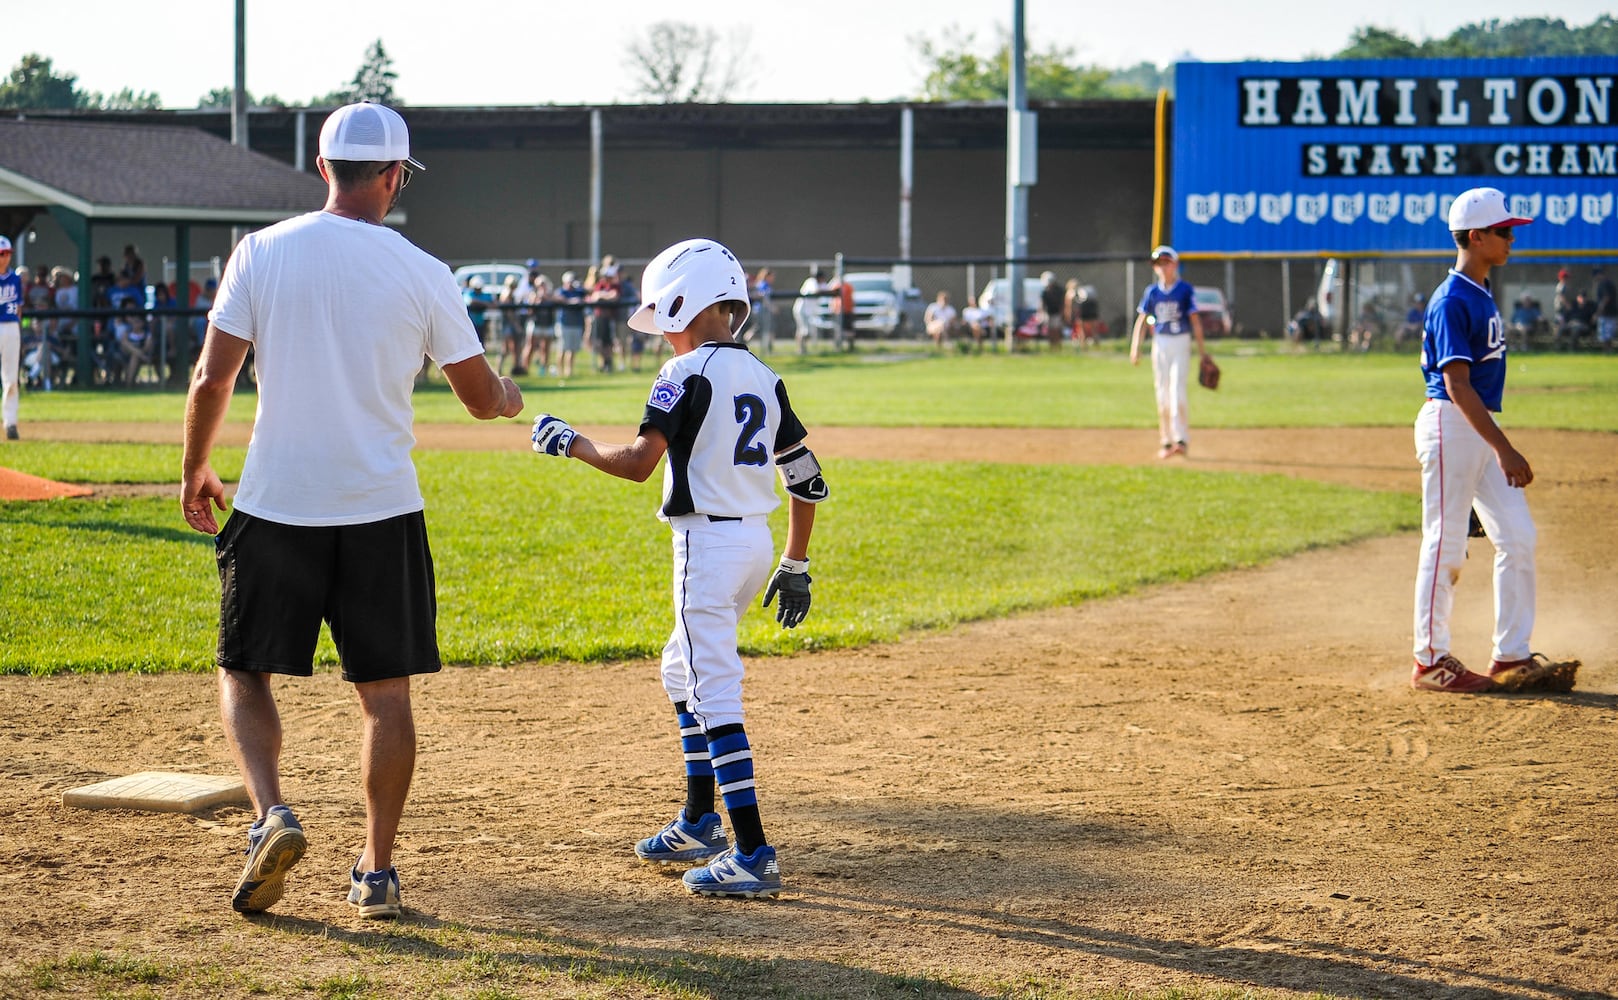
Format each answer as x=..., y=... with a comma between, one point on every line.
x=1365, y=156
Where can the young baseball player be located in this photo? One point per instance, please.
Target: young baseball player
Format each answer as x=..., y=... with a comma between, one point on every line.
x=11, y=292
x=723, y=418
x=1171, y=308
x=1467, y=462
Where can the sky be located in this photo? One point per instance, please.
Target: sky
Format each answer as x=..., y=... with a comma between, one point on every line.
x=523, y=53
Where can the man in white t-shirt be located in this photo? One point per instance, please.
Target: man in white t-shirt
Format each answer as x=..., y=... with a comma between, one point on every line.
x=941, y=319
x=339, y=311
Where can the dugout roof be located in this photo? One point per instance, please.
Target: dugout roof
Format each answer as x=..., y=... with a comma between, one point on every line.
x=108, y=171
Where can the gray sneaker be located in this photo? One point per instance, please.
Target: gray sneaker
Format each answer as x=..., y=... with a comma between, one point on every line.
x=274, y=844
x=375, y=893
x=11, y=432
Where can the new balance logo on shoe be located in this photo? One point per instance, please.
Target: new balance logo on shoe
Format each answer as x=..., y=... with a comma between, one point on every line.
x=1448, y=674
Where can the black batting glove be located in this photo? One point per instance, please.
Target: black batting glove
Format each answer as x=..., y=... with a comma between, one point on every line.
x=791, y=581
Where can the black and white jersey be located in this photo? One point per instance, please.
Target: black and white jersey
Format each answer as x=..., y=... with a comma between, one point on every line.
x=725, y=415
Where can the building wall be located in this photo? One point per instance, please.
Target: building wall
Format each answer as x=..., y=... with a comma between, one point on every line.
x=783, y=206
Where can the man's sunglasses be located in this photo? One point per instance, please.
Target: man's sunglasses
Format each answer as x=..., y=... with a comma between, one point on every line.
x=1504, y=232
x=404, y=174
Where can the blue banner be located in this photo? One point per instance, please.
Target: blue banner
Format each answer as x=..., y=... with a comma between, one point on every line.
x=1365, y=156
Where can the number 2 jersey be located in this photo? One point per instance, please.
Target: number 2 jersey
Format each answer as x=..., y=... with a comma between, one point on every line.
x=725, y=414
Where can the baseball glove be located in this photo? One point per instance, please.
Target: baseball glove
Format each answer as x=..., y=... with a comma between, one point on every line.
x=1208, y=373
x=1541, y=673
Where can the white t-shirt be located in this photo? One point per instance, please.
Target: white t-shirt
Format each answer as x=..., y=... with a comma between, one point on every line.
x=340, y=314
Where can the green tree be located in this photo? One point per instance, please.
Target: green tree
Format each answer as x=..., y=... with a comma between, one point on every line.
x=33, y=83
x=1378, y=43
x=220, y=98
x=957, y=70
x=373, y=81
x=126, y=100
x=1526, y=36
x=1143, y=79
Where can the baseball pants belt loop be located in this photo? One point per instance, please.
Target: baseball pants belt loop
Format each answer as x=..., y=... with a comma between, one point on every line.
x=716, y=518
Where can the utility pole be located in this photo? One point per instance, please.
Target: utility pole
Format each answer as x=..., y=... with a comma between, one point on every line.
x=1022, y=153
x=238, y=93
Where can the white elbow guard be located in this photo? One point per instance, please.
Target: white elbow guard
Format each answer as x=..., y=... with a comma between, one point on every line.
x=800, y=474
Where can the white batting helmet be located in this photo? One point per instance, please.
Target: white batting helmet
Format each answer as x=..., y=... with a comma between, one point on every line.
x=684, y=280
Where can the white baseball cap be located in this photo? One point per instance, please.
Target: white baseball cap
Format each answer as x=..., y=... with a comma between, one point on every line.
x=1481, y=208
x=366, y=132
x=1165, y=251
x=5, y=244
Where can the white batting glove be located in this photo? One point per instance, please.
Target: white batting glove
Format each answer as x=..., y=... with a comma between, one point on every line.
x=552, y=436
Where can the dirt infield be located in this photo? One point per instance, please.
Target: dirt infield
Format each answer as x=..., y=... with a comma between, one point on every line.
x=21, y=486
x=1222, y=783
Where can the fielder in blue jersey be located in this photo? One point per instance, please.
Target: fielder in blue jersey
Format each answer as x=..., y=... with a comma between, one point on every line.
x=1169, y=307
x=1468, y=464
x=10, y=338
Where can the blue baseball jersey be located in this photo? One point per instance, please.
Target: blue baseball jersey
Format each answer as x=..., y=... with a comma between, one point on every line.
x=10, y=297
x=1463, y=324
x=1170, y=308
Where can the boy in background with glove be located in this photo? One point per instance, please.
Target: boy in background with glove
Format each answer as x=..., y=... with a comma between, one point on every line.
x=723, y=418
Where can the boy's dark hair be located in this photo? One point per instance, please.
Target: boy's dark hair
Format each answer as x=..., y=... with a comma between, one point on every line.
x=1463, y=239
x=356, y=173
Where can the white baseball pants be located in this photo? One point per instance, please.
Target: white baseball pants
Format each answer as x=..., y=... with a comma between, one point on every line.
x=10, y=357
x=719, y=568
x=1458, y=473
x=1171, y=374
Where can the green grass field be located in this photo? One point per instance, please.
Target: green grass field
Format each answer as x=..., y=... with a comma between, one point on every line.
x=902, y=546
x=909, y=386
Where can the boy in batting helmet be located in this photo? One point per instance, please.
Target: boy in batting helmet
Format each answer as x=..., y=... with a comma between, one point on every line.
x=723, y=418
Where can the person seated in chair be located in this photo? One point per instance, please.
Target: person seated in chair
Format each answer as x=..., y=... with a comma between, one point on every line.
x=1580, y=321
x=1525, y=319
x=130, y=334
x=1306, y=325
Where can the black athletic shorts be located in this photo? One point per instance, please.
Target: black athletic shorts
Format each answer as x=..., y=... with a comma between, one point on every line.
x=373, y=583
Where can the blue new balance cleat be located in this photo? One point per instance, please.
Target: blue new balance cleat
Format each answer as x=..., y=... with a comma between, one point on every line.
x=733, y=874
x=682, y=841
x=274, y=844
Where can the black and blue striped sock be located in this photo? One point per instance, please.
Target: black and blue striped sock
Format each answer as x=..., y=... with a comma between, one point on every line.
x=699, y=781
x=732, y=759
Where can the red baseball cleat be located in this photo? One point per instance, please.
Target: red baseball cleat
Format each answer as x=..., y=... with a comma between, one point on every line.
x=1448, y=674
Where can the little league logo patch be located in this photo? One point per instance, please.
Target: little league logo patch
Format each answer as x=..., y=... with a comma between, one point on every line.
x=665, y=394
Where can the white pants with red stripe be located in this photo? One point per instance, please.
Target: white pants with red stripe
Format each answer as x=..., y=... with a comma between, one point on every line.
x=719, y=568
x=1459, y=473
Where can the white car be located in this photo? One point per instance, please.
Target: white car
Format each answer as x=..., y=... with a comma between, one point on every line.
x=1214, y=311
x=880, y=307
x=494, y=275
x=996, y=296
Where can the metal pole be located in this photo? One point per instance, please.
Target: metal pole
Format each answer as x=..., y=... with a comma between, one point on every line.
x=1019, y=171
x=238, y=99
x=595, y=185
x=837, y=314
x=238, y=95
x=1130, y=298
x=907, y=179
x=181, y=325
x=300, y=140
x=1286, y=294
